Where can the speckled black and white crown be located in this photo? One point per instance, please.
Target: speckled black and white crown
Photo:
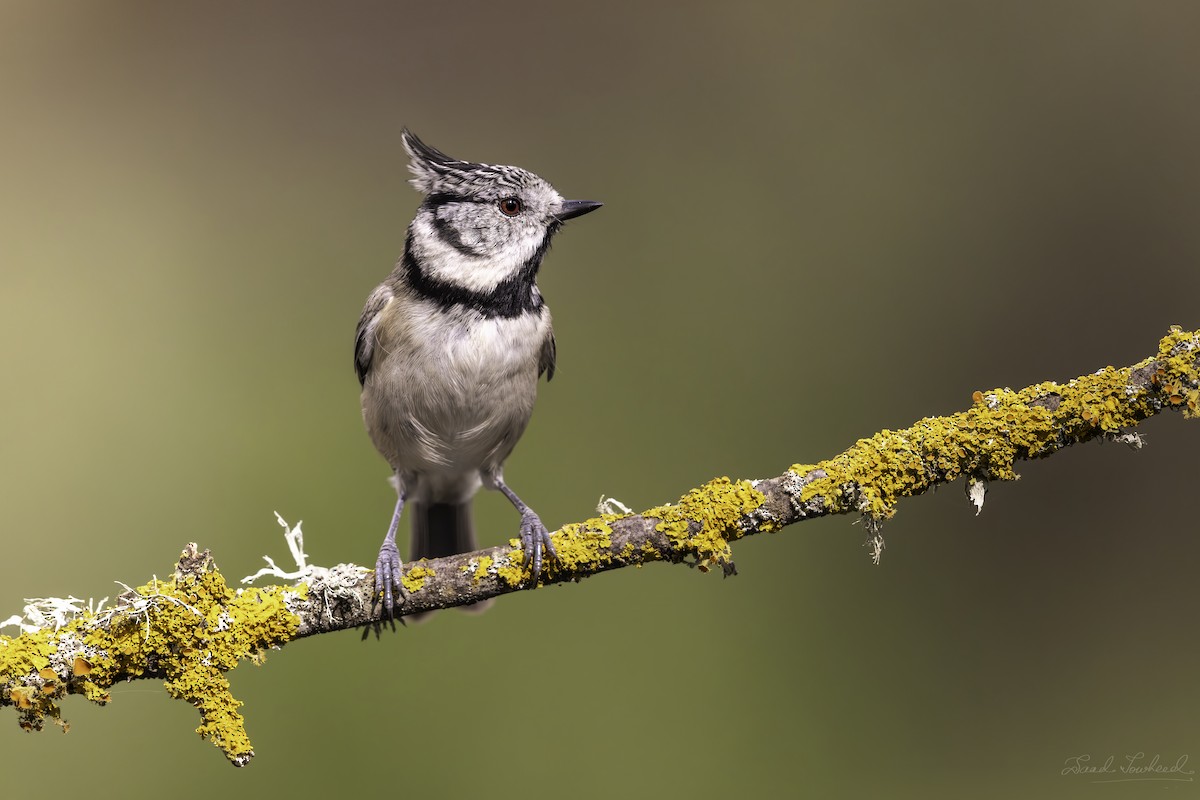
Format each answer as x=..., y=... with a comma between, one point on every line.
x=434, y=172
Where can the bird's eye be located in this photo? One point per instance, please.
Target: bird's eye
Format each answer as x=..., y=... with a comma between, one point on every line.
x=509, y=206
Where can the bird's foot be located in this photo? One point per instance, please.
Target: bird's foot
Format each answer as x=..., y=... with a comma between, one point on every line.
x=535, y=540
x=387, y=576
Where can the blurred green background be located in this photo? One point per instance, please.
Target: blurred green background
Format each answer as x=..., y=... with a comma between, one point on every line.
x=821, y=219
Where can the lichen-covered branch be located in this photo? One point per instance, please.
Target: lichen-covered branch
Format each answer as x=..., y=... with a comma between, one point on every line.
x=191, y=629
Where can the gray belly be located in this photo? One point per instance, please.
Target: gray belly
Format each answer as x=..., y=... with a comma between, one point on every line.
x=448, y=395
x=440, y=428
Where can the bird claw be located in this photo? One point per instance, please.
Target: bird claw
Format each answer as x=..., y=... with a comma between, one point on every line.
x=534, y=539
x=387, y=576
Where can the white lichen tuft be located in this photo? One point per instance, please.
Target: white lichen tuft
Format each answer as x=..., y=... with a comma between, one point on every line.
x=976, y=492
x=1134, y=441
x=41, y=613
x=876, y=545
x=330, y=584
x=295, y=542
x=613, y=506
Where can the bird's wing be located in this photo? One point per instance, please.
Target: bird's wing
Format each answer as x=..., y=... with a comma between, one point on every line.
x=549, y=356
x=364, y=335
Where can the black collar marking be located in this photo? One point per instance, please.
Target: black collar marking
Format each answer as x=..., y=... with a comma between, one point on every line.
x=512, y=297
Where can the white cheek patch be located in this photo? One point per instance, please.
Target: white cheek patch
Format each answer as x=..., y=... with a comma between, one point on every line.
x=441, y=261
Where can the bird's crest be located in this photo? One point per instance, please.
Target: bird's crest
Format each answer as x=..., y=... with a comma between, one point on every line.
x=434, y=172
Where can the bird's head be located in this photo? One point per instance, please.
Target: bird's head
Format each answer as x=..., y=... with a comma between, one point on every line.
x=482, y=224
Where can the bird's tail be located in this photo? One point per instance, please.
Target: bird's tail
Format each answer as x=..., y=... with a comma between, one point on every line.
x=443, y=529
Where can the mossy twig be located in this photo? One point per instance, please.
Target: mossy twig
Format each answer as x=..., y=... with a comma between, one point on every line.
x=191, y=630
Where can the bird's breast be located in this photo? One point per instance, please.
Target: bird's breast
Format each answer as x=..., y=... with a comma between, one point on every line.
x=452, y=392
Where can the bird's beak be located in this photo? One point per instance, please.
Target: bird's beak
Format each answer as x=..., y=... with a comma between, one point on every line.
x=576, y=208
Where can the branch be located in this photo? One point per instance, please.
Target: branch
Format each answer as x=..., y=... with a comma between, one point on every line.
x=191, y=630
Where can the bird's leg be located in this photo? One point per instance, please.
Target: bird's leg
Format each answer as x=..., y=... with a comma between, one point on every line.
x=387, y=566
x=534, y=536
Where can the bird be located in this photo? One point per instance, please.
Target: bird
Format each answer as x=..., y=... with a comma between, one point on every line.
x=450, y=348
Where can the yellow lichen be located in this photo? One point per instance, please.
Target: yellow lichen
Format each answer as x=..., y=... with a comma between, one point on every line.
x=580, y=547
x=705, y=519
x=415, y=578
x=511, y=571
x=198, y=628
x=1002, y=426
x=479, y=568
x=191, y=629
x=584, y=545
x=27, y=653
x=22, y=696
